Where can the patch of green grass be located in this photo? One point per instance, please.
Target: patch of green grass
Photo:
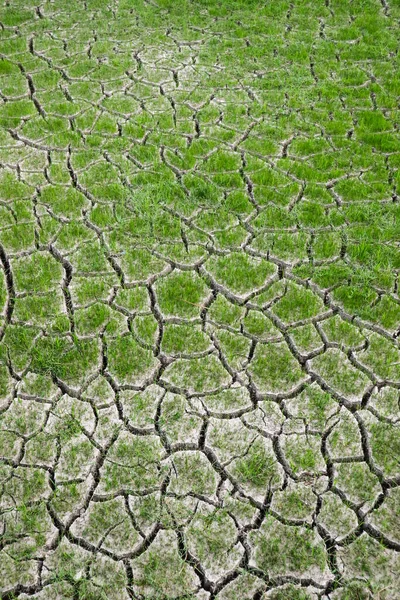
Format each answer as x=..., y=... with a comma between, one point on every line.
x=181, y=294
x=258, y=468
x=274, y=368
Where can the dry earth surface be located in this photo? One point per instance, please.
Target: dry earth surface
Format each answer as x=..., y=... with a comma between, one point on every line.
x=199, y=330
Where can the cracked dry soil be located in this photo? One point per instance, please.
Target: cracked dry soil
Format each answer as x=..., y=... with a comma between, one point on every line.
x=199, y=302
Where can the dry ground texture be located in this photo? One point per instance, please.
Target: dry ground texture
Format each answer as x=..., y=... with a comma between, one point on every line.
x=199, y=299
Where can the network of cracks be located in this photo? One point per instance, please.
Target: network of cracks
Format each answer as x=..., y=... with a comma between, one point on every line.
x=199, y=343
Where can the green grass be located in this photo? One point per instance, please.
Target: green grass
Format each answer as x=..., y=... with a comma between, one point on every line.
x=199, y=299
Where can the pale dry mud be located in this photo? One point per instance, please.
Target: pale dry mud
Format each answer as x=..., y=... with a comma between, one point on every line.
x=199, y=308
